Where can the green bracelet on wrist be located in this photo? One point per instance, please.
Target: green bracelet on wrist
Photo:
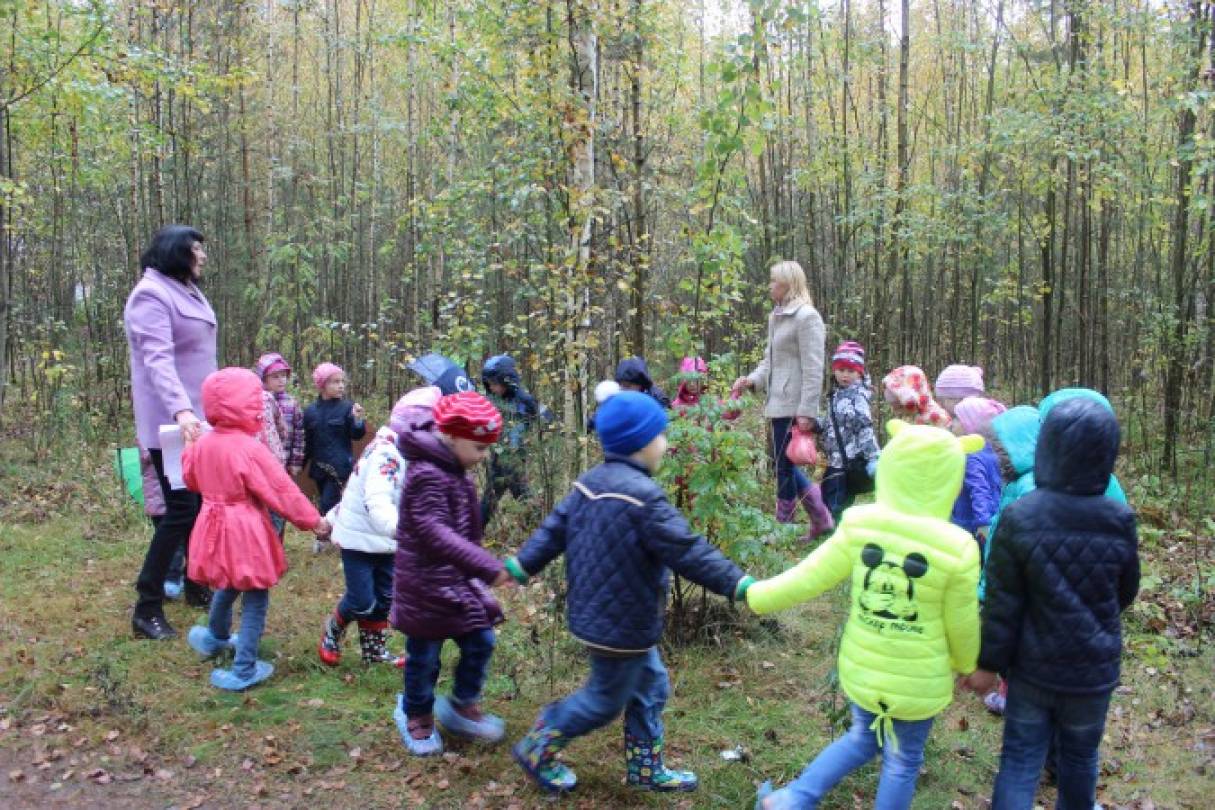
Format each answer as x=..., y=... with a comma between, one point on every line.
x=740, y=593
x=515, y=570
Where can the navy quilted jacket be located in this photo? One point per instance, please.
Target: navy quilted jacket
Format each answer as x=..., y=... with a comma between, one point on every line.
x=1064, y=563
x=621, y=539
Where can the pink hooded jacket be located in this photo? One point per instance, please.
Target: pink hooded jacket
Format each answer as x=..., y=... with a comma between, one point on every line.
x=233, y=544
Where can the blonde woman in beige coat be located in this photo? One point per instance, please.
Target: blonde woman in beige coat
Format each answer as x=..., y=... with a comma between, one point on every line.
x=791, y=378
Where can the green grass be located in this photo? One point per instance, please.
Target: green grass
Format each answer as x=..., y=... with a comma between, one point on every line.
x=69, y=553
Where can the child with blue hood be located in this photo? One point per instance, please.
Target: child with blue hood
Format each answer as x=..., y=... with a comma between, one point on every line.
x=1063, y=567
x=1015, y=442
x=520, y=410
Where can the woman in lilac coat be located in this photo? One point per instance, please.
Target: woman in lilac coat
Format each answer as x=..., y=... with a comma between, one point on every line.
x=171, y=331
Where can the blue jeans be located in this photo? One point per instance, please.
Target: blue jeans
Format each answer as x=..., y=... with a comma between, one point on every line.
x=1032, y=717
x=252, y=623
x=368, y=586
x=835, y=491
x=422, y=671
x=329, y=492
x=637, y=685
x=900, y=764
x=791, y=482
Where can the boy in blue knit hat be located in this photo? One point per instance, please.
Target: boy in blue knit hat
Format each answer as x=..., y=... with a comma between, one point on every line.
x=621, y=538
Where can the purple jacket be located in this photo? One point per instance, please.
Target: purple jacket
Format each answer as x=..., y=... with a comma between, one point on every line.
x=440, y=580
x=979, y=499
x=171, y=332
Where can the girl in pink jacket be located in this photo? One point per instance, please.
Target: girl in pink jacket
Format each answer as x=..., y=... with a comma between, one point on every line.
x=233, y=547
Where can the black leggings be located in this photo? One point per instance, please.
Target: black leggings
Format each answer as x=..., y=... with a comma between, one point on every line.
x=171, y=533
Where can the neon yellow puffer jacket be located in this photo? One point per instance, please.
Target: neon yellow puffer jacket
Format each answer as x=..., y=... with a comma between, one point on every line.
x=914, y=619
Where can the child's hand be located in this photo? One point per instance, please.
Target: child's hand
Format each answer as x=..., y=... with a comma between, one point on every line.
x=980, y=681
x=191, y=426
x=740, y=385
x=358, y=411
x=504, y=579
x=806, y=425
x=322, y=528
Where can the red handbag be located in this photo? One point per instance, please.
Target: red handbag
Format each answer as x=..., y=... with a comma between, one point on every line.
x=801, y=449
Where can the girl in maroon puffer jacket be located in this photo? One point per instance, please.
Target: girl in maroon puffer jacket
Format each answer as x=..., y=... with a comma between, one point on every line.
x=442, y=577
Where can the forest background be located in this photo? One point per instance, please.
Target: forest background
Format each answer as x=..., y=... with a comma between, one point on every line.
x=1027, y=185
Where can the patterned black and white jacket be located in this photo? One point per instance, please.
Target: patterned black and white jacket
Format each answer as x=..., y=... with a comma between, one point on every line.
x=851, y=406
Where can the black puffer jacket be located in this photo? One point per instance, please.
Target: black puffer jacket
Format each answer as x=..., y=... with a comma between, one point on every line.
x=1064, y=563
x=621, y=539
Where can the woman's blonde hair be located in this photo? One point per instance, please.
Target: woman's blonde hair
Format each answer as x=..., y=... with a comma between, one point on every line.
x=791, y=274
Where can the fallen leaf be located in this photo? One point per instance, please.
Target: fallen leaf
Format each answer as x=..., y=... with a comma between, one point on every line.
x=189, y=761
x=112, y=735
x=247, y=765
x=315, y=703
x=100, y=776
x=164, y=774
x=16, y=775
x=442, y=784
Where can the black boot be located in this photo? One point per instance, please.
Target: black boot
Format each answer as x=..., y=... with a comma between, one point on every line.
x=197, y=595
x=155, y=627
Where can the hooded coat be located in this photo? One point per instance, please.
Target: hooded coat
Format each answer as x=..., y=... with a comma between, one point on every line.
x=233, y=544
x=914, y=617
x=441, y=572
x=633, y=370
x=1064, y=562
x=518, y=407
x=1017, y=432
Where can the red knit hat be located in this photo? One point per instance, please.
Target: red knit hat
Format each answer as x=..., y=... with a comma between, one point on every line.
x=849, y=355
x=468, y=415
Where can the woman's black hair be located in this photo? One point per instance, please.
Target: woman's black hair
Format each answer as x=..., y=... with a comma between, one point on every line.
x=172, y=251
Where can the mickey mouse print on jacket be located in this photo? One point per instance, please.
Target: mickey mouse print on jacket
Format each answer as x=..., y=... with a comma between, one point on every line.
x=914, y=616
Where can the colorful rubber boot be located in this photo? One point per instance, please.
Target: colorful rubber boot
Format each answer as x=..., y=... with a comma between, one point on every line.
x=330, y=648
x=646, y=770
x=785, y=510
x=821, y=521
x=537, y=753
x=373, y=642
x=469, y=721
x=419, y=734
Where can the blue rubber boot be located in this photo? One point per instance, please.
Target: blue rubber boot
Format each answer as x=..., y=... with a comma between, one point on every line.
x=228, y=680
x=537, y=753
x=206, y=644
x=646, y=770
x=469, y=721
x=419, y=734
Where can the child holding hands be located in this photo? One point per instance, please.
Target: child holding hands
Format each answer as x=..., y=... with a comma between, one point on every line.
x=442, y=575
x=233, y=547
x=365, y=529
x=913, y=622
x=621, y=538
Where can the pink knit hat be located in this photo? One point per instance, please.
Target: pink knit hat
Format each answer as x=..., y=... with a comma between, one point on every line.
x=959, y=382
x=976, y=413
x=693, y=365
x=417, y=402
x=322, y=373
x=269, y=363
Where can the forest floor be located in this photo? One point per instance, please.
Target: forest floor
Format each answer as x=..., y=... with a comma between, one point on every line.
x=90, y=717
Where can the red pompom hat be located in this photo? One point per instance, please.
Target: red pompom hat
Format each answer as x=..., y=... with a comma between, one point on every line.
x=468, y=415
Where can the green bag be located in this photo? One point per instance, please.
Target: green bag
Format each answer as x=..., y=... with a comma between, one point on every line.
x=126, y=465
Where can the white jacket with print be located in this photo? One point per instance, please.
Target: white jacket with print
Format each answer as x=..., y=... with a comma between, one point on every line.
x=366, y=519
